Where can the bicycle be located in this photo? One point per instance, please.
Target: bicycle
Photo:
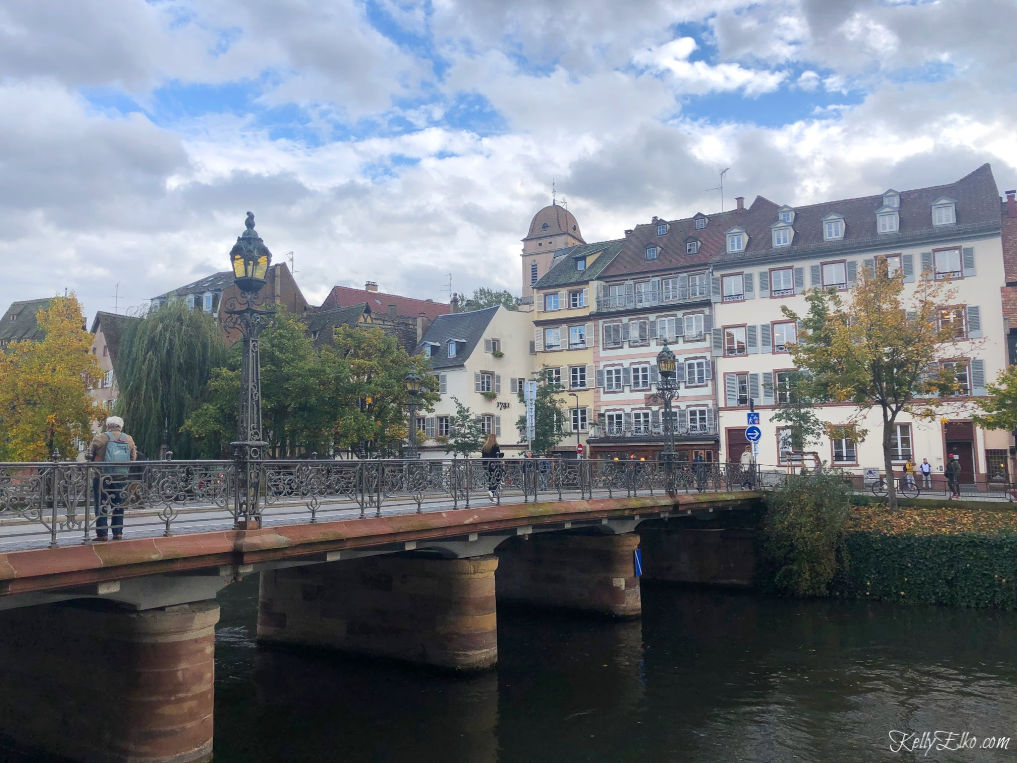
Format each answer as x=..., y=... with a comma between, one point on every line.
x=906, y=487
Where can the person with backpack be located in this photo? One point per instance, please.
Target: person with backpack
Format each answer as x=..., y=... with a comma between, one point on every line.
x=926, y=469
x=115, y=451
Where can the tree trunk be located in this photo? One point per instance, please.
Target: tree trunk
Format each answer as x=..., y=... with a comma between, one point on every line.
x=891, y=485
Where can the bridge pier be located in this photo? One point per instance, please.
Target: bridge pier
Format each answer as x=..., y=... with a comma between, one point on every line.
x=587, y=573
x=92, y=681
x=420, y=609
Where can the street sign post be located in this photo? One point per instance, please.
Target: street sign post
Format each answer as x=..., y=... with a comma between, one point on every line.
x=530, y=396
x=579, y=449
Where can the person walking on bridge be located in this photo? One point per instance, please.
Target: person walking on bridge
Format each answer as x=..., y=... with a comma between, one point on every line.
x=492, y=453
x=115, y=450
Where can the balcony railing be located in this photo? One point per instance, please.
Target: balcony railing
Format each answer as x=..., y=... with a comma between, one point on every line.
x=653, y=298
x=656, y=431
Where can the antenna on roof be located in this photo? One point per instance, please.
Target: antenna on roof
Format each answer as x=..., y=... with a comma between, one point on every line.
x=554, y=192
x=116, y=297
x=289, y=255
x=720, y=187
x=564, y=204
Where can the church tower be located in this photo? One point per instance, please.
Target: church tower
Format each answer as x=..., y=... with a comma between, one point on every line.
x=552, y=228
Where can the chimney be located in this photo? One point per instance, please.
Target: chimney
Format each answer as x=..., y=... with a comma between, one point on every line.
x=628, y=231
x=740, y=201
x=454, y=302
x=371, y=286
x=1011, y=204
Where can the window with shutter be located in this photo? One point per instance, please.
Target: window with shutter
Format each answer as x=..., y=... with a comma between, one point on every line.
x=974, y=321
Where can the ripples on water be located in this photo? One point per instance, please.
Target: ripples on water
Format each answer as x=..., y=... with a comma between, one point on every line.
x=703, y=676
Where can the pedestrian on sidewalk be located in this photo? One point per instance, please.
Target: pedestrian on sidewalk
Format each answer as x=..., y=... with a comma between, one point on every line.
x=492, y=463
x=926, y=469
x=114, y=450
x=953, y=470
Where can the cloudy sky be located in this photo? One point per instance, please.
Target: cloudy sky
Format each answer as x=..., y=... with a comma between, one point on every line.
x=407, y=142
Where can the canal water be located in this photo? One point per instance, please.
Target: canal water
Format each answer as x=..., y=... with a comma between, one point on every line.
x=703, y=676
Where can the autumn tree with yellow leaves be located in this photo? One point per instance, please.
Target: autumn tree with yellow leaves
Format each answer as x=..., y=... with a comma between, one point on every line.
x=879, y=347
x=44, y=402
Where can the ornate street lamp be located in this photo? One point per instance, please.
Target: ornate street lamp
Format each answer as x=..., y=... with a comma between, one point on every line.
x=667, y=388
x=578, y=444
x=249, y=260
x=412, y=382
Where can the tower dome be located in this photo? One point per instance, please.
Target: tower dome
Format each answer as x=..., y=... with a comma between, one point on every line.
x=553, y=220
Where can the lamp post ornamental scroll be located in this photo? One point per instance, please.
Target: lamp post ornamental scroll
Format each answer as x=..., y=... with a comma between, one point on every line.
x=667, y=388
x=249, y=261
x=412, y=382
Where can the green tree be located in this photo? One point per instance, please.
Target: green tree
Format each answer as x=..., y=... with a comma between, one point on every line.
x=549, y=414
x=466, y=432
x=803, y=533
x=877, y=349
x=489, y=298
x=43, y=402
x=163, y=366
x=798, y=413
x=1000, y=406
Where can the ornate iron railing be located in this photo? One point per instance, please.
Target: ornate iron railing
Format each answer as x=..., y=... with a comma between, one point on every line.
x=61, y=503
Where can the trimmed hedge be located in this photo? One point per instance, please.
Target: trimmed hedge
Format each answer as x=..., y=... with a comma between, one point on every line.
x=962, y=569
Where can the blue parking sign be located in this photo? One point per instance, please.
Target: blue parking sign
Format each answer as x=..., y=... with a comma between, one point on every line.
x=752, y=434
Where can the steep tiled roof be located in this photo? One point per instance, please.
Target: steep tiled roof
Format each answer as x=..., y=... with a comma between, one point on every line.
x=563, y=272
x=408, y=307
x=321, y=323
x=215, y=282
x=466, y=328
x=977, y=210
x=19, y=321
x=112, y=329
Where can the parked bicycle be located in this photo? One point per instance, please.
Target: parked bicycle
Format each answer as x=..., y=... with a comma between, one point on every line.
x=906, y=486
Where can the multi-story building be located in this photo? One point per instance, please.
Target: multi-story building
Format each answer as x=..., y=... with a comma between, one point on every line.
x=107, y=329
x=564, y=335
x=772, y=253
x=480, y=358
x=406, y=318
x=551, y=229
x=656, y=292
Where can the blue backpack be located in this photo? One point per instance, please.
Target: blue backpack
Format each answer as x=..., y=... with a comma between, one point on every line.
x=118, y=452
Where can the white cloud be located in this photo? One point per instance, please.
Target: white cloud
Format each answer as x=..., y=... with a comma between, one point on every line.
x=699, y=77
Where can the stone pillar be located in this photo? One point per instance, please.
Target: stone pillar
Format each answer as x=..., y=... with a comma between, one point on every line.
x=92, y=682
x=709, y=556
x=589, y=573
x=425, y=610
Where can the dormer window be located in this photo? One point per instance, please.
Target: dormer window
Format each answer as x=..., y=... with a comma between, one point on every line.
x=581, y=263
x=786, y=215
x=782, y=234
x=662, y=229
x=887, y=220
x=651, y=252
x=891, y=199
x=944, y=211
x=692, y=247
x=451, y=348
x=545, y=226
x=700, y=222
x=736, y=239
x=833, y=228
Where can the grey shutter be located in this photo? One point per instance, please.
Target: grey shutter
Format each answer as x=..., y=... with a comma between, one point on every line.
x=709, y=370
x=655, y=290
x=708, y=322
x=974, y=322
x=563, y=337
x=754, y=387
x=750, y=340
x=911, y=316
x=968, y=261
x=765, y=340
x=476, y=382
x=497, y=383
x=487, y=345
x=630, y=294
x=683, y=286
x=731, y=390
x=538, y=339
x=907, y=266
x=591, y=335
x=497, y=426
x=679, y=372
x=764, y=283
x=514, y=385
x=626, y=377
x=815, y=275
x=683, y=418
x=655, y=420
x=601, y=297
x=627, y=421
x=590, y=374
x=442, y=383
x=600, y=378
x=799, y=280
x=709, y=419
x=653, y=329
x=927, y=265
x=748, y=287
x=718, y=341
x=852, y=272
x=654, y=374
x=715, y=289
x=767, y=389
x=869, y=265
x=978, y=378
x=679, y=326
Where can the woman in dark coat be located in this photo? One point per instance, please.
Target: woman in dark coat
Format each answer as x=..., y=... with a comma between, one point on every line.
x=492, y=453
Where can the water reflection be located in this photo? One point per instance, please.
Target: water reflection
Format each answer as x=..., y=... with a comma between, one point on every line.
x=703, y=676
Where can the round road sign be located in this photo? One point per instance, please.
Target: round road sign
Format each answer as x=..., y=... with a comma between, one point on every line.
x=752, y=434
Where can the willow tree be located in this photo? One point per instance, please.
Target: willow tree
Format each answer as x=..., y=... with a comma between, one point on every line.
x=43, y=403
x=879, y=348
x=162, y=368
